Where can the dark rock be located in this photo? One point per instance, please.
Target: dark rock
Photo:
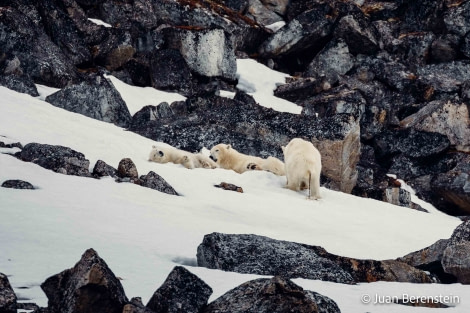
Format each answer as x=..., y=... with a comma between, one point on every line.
x=102, y=169
x=452, y=186
x=400, y=197
x=393, y=74
x=264, y=256
x=57, y=158
x=445, y=48
x=413, y=49
x=21, y=84
x=261, y=13
x=444, y=77
x=169, y=71
x=182, y=291
x=114, y=50
x=461, y=234
x=457, y=19
x=127, y=168
x=11, y=145
x=426, y=256
x=128, y=14
x=332, y=61
x=90, y=286
x=423, y=15
x=359, y=35
x=456, y=261
x=39, y=58
x=139, y=72
x=306, y=30
x=154, y=181
x=97, y=99
x=302, y=88
x=465, y=46
x=7, y=296
x=136, y=306
x=17, y=184
x=231, y=187
x=271, y=295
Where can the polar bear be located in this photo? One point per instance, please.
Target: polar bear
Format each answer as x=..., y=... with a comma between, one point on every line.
x=229, y=158
x=165, y=154
x=303, y=167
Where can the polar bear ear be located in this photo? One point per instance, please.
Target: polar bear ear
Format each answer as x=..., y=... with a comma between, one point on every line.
x=229, y=147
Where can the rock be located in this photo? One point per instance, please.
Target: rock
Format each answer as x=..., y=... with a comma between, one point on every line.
x=456, y=261
x=127, y=169
x=102, y=169
x=265, y=256
x=302, y=88
x=17, y=184
x=452, y=186
x=271, y=295
x=169, y=71
x=332, y=61
x=136, y=306
x=57, y=158
x=261, y=13
x=444, y=77
x=397, y=196
x=97, y=99
x=427, y=256
x=7, y=296
x=445, y=48
x=277, y=6
x=90, y=286
x=358, y=35
x=154, y=181
x=39, y=58
x=182, y=291
x=465, y=46
x=457, y=19
x=208, y=52
x=308, y=29
x=22, y=84
x=231, y=187
x=423, y=15
x=461, y=234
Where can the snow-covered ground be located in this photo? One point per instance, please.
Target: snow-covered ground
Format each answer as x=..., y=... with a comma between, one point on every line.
x=142, y=234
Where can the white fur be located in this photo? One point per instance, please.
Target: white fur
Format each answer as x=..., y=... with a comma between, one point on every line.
x=303, y=167
x=229, y=158
x=165, y=154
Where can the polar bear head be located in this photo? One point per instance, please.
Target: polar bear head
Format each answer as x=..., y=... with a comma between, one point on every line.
x=158, y=155
x=220, y=151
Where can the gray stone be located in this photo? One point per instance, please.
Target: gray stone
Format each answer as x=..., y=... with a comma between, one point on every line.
x=358, y=35
x=127, y=169
x=461, y=234
x=456, y=261
x=17, y=184
x=271, y=296
x=21, y=84
x=154, y=181
x=7, y=296
x=261, y=13
x=182, y=291
x=102, y=169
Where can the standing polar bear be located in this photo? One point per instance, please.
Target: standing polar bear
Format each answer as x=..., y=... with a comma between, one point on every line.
x=165, y=154
x=229, y=158
x=303, y=167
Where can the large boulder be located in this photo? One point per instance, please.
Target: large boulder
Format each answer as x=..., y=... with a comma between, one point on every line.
x=90, y=286
x=273, y=295
x=182, y=291
x=60, y=159
x=265, y=256
x=21, y=83
x=7, y=296
x=96, y=98
x=456, y=261
x=154, y=181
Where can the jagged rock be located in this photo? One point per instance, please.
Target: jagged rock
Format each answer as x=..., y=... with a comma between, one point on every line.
x=21, y=84
x=413, y=49
x=270, y=296
x=305, y=30
x=445, y=48
x=457, y=19
x=465, y=46
x=261, y=13
x=278, y=6
x=398, y=196
x=169, y=71
x=301, y=88
x=452, y=186
x=90, y=286
x=460, y=234
x=456, y=261
x=154, y=181
x=358, y=35
x=127, y=169
x=25, y=39
x=332, y=61
x=265, y=256
x=423, y=15
x=136, y=306
x=97, y=99
x=102, y=169
x=393, y=74
x=57, y=158
x=444, y=77
x=182, y=291
x=7, y=296
x=17, y=184
x=127, y=14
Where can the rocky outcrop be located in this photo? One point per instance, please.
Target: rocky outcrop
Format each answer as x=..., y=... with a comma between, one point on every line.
x=90, y=286
x=17, y=184
x=57, y=158
x=182, y=291
x=154, y=181
x=97, y=99
x=265, y=256
x=456, y=261
x=7, y=296
x=271, y=295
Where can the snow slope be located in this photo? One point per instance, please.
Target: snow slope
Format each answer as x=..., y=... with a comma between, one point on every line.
x=142, y=234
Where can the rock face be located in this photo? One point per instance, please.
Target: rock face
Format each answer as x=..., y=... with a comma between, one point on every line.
x=17, y=184
x=97, y=99
x=90, y=286
x=271, y=295
x=57, y=158
x=264, y=256
x=182, y=291
x=7, y=296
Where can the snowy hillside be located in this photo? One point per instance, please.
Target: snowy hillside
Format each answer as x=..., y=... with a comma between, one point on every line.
x=142, y=234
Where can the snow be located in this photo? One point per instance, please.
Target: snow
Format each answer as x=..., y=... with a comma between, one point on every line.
x=276, y=26
x=99, y=22
x=142, y=234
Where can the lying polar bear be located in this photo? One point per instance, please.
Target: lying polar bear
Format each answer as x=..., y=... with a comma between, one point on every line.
x=165, y=154
x=303, y=167
x=229, y=158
